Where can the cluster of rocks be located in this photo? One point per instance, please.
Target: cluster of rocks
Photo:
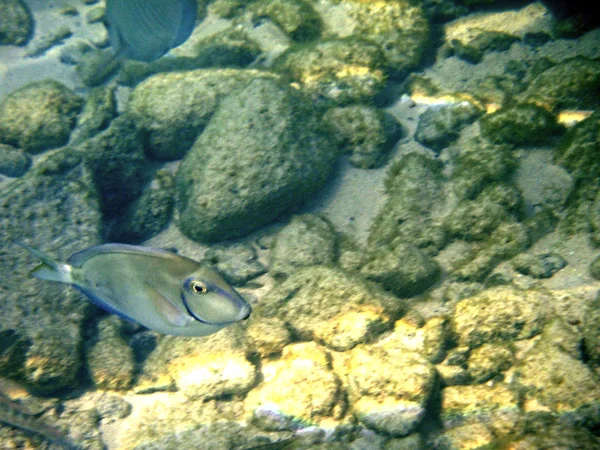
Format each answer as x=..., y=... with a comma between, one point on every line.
x=437, y=332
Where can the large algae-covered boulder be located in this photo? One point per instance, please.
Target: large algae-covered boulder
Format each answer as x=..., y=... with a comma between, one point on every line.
x=54, y=207
x=261, y=155
x=171, y=109
x=39, y=116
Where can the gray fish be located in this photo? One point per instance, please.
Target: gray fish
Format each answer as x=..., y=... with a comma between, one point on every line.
x=160, y=290
x=147, y=29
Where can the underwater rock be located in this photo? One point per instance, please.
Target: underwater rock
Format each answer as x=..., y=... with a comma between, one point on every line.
x=500, y=315
x=545, y=431
x=440, y=127
x=39, y=116
x=306, y=240
x=480, y=162
x=98, y=111
x=55, y=207
x=13, y=162
x=566, y=85
x=476, y=219
x=399, y=27
x=296, y=18
x=116, y=160
x=594, y=220
x=340, y=71
x=577, y=151
x=251, y=165
x=553, y=380
x=467, y=435
x=489, y=361
x=591, y=333
x=147, y=215
x=520, y=124
x=539, y=266
x=16, y=23
x=110, y=360
x=237, y=263
x=201, y=369
x=471, y=36
x=402, y=269
x=413, y=185
x=388, y=390
x=297, y=390
x=268, y=335
x=172, y=109
x=330, y=306
x=367, y=134
x=595, y=268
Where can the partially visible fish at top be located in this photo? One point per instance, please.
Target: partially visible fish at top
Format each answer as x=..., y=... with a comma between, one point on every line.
x=160, y=290
x=143, y=30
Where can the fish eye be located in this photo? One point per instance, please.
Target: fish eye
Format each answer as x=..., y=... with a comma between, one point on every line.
x=198, y=287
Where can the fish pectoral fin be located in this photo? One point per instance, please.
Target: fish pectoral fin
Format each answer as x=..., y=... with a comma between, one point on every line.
x=170, y=312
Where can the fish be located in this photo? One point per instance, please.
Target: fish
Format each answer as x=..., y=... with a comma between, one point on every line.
x=17, y=416
x=160, y=290
x=144, y=30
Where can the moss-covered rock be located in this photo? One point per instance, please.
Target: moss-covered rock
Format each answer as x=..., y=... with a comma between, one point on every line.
x=413, y=185
x=331, y=306
x=499, y=315
x=149, y=213
x=479, y=162
x=539, y=266
x=489, y=361
x=171, y=109
x=55, y=208
x=268, y=335
x=440, y=127
x=238, y=263
x=340, y=71
x=399, y=27
x=250, y=165
x=366, y=133
x=591, y=333
x=296, y=18
x=392, y=398
x=472, y=36
x=98, y=111
x=577, y=152
x=566, y=85
x=13, y=162
x=16, y=23
x=116, y=159
x=110, y=360
x=520, y=124
x=298, y=390
x=39, y=116
x=402, y=269
x=307, y=240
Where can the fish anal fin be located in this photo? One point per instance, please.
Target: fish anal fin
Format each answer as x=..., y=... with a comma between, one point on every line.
x=169, y=311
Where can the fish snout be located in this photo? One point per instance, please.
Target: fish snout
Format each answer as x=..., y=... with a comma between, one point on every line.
x=245, y=312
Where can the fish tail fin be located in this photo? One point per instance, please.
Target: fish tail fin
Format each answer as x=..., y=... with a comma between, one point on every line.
x=49, y=269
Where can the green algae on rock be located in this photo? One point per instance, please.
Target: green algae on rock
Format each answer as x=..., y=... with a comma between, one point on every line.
x=366, y=133
x=440, y=127
x=16, y=23
x=520, y=124
x=171, y=109
x=147, y=215
x=340, y=71
x=42, y=205
x=251, y=165
x=99, y=109
x=39, y=116
x=237, y=263
x=307, y=240
x=296, y=18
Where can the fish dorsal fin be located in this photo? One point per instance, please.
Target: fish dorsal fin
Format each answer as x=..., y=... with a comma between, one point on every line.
x=79, y=258
x=170, y=312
